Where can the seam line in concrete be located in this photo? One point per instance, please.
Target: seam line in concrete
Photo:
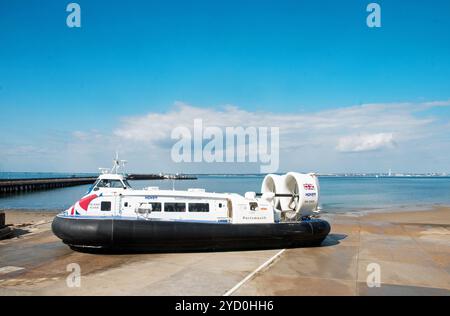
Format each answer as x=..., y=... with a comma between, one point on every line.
x=251, y=275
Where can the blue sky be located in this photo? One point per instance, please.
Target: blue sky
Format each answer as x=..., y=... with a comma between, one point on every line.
x=133, y=58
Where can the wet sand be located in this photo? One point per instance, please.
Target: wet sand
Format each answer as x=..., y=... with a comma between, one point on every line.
x=25, y=218
x=412, y=250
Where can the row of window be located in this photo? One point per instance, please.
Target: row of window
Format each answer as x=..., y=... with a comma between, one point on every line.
x=168, y=207
x=180, y=207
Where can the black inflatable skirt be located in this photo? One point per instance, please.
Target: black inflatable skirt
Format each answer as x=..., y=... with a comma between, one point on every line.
x=153, y=235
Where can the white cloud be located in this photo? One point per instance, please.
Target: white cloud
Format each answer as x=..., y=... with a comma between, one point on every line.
x=312, y=141
x=381, y=136
x=437, y=103
x=297, y=130
x=367, y=142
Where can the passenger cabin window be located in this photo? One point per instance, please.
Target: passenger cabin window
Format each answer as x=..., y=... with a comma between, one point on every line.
x=174, y=207
x=156, y=207
x=106, y=183
x=198, y=207
x=105, y=206
x=253, y=206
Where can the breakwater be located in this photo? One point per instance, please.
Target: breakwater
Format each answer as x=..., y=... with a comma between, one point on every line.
x=15, y=186
x=12, y=186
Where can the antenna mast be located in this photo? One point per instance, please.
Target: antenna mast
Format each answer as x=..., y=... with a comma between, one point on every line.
x=117, y=164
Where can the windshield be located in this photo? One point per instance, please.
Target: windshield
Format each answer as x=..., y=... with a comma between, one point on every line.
x=106, y=183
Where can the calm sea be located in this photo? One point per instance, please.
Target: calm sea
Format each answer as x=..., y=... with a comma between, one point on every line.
x=338, y=194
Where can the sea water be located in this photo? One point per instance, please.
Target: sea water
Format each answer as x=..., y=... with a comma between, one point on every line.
x=337, y=194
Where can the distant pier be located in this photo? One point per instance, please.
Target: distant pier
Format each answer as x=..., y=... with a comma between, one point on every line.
x=15, y=186
x=12, y=186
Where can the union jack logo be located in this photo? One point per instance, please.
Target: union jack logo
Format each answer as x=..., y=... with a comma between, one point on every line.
x=82, y=204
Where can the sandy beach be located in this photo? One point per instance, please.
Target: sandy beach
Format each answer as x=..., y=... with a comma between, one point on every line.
x=411, y=249
x=21, y=218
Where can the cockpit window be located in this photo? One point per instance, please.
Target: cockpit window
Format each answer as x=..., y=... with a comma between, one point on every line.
x=106, y=183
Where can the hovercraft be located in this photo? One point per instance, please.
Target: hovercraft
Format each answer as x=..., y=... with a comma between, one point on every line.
x=114, y=216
